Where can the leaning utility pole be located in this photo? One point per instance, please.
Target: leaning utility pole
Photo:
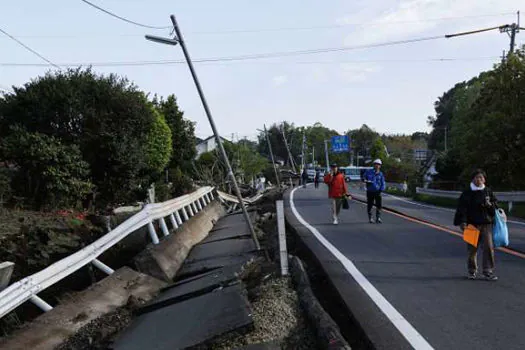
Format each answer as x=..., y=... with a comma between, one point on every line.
x=180, y=41
x=273, y=160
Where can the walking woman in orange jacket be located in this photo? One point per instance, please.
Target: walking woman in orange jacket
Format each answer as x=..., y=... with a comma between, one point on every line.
x=337, y=190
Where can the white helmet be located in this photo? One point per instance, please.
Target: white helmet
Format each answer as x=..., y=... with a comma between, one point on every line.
x=378, y=161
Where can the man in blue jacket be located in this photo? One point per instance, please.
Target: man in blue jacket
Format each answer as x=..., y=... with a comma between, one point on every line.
x=375, y=184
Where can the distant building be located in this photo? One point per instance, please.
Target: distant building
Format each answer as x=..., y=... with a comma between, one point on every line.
x=207, y=145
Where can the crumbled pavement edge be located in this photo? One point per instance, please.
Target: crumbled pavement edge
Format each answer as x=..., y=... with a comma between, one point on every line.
x=328, y=333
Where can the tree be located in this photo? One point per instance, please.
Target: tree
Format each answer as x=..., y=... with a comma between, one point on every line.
x=378, y=150
x=491, y=133
x=159, y=144
x=362, y=140
x=182, y=133
x=47, y=173
x=106, y=117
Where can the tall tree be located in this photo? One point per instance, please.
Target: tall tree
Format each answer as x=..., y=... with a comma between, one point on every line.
x=106, y=117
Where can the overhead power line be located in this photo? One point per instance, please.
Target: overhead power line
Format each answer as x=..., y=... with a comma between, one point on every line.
x=28, y=48
x=262, y=30
x=344, y=25
x=123, y=18
x=204, y=61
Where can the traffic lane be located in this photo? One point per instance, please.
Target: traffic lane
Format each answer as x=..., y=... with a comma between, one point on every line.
x=441, y=216
x=421, y=270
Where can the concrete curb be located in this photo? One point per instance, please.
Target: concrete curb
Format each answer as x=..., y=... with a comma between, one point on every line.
x=327, y=331
x=164, y=260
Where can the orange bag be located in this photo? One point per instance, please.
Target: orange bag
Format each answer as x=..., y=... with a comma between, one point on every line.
x=471, y=235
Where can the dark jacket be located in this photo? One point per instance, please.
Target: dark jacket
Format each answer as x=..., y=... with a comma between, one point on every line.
x=476, y=207
x=375, y=181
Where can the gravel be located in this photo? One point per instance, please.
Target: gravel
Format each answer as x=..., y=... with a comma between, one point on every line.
x=277, y=317
x=98, y=334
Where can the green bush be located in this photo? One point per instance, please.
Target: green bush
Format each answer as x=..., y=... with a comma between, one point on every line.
x=159, y=144
x=48, y=173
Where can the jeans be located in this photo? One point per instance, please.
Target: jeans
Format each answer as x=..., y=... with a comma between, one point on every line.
x=486, y=243
x=374, y=198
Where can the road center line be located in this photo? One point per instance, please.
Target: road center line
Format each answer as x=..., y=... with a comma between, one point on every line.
x=405, y=328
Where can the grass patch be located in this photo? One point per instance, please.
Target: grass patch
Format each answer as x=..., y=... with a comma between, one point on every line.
x=396, y=192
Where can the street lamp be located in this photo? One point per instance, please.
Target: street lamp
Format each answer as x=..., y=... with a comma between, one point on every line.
x=178, y=39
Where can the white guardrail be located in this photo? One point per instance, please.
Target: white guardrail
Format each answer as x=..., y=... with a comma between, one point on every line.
x=518, y=196
x=178, y=210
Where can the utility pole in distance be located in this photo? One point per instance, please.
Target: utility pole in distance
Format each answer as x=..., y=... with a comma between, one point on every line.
x=292, y=163
x=180, y=40
x=271, y=155
x=326, y=154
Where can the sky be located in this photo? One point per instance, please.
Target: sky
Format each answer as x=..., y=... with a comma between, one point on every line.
x=390, y=88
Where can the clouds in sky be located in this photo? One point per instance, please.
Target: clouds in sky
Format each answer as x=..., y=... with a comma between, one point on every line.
x=379, y=21
x=280, y=80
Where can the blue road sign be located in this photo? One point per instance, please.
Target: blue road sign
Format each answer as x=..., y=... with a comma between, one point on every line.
x=340, y=144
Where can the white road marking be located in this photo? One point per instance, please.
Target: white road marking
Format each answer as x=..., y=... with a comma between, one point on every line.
x=407, y=330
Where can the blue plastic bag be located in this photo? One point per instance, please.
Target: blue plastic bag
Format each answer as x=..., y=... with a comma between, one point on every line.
x=500, y=231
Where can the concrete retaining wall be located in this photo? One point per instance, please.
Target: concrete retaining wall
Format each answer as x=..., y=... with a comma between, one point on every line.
x=165, y=259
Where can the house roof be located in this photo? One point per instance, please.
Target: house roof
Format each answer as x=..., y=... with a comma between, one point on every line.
x=209, y=138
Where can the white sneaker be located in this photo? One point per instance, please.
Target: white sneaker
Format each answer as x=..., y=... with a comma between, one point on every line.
x=336, y=221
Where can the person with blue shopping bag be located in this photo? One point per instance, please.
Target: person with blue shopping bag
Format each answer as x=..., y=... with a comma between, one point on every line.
x=477, y=207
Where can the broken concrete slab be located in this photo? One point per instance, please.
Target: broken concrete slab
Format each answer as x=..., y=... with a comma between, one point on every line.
x=163, y=260
x=203, y=284
x=6, y=271
x=227, y=233
x=52, y=328
x=262, y=346
x=231, y=247
x=202, y=266
x=189, y=323
x=236, y=220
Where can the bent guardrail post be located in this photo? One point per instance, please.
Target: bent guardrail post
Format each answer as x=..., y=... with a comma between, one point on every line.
x=173, y=221
x=164, y=227
x=42, y=305
x=190, y=210
x=152, y=233
x=185, y=214
x=178, y=218
x=102, y=267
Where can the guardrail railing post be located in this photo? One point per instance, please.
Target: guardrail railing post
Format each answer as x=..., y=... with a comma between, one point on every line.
x=174, y=223
x=35, y=299
x=204, y=201
x=194, y=207
x=190, y=210
x=199, y=205
x=211, y=195
x=164, y=227
x=185, y=214
x=152, y=233
x=102, y=267
x=177, y=216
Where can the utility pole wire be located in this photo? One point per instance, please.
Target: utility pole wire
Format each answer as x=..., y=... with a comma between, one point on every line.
x=123, y=18
x=28, y=48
